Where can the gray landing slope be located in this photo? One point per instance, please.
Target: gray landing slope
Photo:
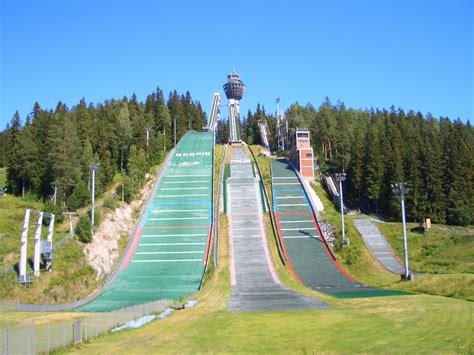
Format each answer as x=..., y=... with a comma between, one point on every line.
x=255, y=283
x=378, y=246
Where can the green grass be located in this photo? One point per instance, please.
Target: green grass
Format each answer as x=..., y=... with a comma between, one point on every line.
x=408, y=324
x=442, y=250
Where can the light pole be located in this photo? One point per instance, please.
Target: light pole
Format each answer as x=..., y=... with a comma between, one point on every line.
x=401, y=188
x=94, y=168
x=148, y=129
x=340, y=177
x=175, y=118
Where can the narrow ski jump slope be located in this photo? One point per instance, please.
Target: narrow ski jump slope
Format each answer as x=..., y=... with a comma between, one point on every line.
x=378, y=246
x=304, y=248
x=254, y=281
x=170, y=253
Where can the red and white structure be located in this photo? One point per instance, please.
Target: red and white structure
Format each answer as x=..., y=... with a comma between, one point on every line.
x=302, y=153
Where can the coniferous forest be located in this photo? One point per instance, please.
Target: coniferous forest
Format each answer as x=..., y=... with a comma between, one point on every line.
x=55, y=149
x=376, y=148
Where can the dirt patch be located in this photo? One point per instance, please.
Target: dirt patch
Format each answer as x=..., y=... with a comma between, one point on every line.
x=103, y=251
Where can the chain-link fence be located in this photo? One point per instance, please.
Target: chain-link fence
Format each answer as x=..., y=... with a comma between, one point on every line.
x=44, y=338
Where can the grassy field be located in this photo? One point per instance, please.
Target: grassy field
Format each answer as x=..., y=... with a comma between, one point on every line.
x=444, y=249
x=408, y=324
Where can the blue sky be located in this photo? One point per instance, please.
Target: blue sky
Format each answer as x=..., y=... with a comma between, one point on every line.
x=410, y=53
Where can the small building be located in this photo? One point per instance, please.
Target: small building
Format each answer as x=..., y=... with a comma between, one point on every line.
x=302, y=153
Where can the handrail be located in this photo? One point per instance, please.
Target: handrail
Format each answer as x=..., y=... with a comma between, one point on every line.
x=270, y=210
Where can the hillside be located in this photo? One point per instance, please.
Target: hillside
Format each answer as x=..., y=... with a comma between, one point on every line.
x=75, y=274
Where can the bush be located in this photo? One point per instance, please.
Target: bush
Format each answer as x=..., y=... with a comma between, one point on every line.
x=83, y=229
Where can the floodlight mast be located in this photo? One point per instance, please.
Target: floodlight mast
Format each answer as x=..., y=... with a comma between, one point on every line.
x=148, y=129
x=402, y=188
x=94, y=167
x=340, y=177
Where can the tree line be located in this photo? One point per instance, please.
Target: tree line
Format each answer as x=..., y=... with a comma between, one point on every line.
x=434, y=156
x=54, y=149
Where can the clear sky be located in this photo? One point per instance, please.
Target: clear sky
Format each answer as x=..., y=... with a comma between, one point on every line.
x=410, y=53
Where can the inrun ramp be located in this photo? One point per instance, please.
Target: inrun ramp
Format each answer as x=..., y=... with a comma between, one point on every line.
x=169, y=255
x=254, y=281
x=378, y=246
x=307, y=253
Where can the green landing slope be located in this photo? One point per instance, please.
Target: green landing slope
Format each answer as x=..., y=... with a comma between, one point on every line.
x=168, y=258
x=309, y=258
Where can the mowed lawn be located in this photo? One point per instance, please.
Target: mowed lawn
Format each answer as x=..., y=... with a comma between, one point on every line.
x=410, y=324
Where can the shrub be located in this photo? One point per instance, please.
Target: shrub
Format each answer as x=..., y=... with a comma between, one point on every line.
x=83, y=229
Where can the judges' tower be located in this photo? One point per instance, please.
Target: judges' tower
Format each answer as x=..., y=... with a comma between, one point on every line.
x=234, y=90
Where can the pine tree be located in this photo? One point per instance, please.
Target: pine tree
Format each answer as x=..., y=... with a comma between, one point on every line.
x=374, y=167
x=13, y=159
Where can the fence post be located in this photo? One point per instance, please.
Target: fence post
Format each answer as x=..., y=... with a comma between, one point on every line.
x=85, y=329
x=64, y=334
x=5, y=340
x=27, y=340
x=33, y=337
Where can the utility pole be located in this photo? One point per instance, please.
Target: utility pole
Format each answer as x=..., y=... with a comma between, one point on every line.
x=175, y=118
x=94, y=168
x=340, y=177
x=401, y=188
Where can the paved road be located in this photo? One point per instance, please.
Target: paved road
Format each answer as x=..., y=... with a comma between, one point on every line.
x=378, y=246
x=255, y=283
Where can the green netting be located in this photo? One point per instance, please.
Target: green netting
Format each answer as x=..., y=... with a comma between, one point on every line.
x=304, y=247
x=168, y=261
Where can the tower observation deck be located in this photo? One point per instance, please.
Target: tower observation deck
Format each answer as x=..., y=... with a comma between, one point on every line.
x=234, y=90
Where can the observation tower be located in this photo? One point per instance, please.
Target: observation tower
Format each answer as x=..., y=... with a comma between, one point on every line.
x=234, y=90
